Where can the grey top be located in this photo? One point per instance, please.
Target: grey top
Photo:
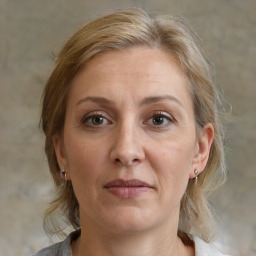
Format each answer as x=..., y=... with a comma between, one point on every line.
x=64, y=248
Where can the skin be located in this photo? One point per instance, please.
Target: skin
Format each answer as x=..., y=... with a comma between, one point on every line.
x=130, y=116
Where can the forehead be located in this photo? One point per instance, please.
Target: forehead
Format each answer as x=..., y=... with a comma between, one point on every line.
x=148, y=61
x=135, y=71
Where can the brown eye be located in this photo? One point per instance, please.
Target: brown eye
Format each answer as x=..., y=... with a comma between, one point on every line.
x=158, y=120
x=95, y=120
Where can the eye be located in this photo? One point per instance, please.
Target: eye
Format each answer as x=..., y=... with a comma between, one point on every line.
x=160, y=119
x=95, y=120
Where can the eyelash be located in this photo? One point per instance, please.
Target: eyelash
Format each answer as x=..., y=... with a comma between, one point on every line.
x=162, y=115
x=87, y=120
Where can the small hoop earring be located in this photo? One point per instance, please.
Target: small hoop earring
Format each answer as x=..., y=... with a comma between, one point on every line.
x=63, y=175
x=196, y=173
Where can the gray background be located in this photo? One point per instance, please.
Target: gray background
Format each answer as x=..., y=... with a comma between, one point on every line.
x=30, y=29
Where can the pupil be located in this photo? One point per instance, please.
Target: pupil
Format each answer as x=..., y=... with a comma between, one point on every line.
x=98, y=120
x=158, y=120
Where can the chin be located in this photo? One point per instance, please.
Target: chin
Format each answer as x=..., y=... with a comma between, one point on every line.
x=129, y=221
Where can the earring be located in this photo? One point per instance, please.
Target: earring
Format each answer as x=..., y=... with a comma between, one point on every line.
x=63, y=175
x=196, y=173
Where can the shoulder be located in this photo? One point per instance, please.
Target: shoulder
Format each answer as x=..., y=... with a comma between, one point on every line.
x=60, y=249
x=204, y=249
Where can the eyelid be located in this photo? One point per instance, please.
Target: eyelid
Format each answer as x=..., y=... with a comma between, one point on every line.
x=92, y=114
x=161, y=113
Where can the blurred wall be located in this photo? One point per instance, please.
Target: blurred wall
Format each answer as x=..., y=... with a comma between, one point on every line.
x=31, y=29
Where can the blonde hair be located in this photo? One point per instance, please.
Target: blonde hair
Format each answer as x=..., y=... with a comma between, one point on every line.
x=119, y=30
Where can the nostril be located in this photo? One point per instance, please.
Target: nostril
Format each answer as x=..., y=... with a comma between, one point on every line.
x=117, y=160
x=126, y=162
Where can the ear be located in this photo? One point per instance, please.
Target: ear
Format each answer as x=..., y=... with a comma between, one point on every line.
x=58, y=144
x=202, y=149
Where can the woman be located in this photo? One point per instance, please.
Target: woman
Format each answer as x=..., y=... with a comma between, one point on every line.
x=133, y=139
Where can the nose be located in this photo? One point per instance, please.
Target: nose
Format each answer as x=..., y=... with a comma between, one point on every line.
x=127, y=148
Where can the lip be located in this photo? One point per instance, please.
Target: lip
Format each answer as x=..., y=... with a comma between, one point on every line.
x=127, y=188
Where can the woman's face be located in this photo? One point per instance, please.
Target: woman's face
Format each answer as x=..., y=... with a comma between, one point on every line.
x=129, y=144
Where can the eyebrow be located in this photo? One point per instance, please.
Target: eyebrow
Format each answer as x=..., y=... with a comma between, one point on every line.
x=145, y=101
x=99, y=100
x=155, y=99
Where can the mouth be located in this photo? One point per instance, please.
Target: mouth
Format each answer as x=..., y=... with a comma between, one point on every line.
x=127, y=188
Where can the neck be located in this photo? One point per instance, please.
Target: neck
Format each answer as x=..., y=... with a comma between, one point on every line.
x=161, y=241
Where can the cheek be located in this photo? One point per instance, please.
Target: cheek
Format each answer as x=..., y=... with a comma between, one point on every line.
x=173, y=162
x=85, y=166
x=176, y=155
x=84, y=160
